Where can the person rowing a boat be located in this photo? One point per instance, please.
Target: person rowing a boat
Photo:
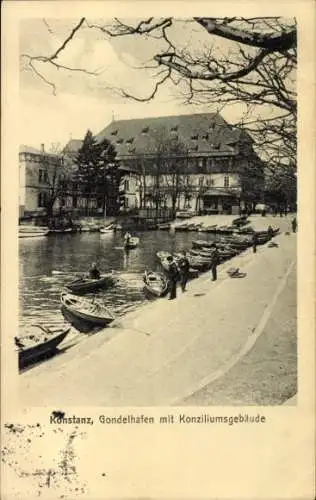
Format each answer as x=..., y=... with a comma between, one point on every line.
x=127, y=238
x=94, y=272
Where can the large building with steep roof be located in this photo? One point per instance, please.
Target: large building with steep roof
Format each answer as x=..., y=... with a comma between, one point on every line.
x=219, y=172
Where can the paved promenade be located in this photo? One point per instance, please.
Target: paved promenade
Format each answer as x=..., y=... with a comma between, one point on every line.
x=167, y=351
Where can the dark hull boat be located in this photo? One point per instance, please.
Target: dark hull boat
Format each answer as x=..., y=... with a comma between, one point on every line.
x=38, y=345
x=86, y=285
x=86, y=310
x=156, y=283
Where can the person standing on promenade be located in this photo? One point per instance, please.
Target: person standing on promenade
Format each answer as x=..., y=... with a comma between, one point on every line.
x=270, y=232
x=214, y=262
x=294, y=225
x=173, y=274
x=254, y=242
x=184, y=266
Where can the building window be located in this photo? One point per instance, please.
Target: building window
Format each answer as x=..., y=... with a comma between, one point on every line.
x=45, y=176
x=201, y=180
x=126, y=185
x=40, y=175
x=226, y=181
x=187, y=201
x=126, y=202
x=74, y=201
x=41, y=200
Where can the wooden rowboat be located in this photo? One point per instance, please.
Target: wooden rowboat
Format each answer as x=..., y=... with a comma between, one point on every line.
x=32, y=231
x=156, y=283
x=107, y=230
x=42, y=343
x=87, y=310
x=86, y=285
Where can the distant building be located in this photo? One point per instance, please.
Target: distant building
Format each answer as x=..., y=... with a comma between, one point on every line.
x=37, y=171
x=220, y=172
x=46, y=178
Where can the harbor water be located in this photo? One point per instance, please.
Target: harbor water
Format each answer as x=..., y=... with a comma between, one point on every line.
x=49, y=263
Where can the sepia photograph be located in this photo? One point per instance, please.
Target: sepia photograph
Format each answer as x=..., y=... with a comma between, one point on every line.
x=158, y=250
x=157, y=211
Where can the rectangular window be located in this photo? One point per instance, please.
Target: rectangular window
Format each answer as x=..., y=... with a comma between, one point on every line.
x=74, y=201
x=226, y=181
x=126, y=185
x=42, y=200
x=45, y=176
x=40, y=175
x=126, y=202
x=201, y=180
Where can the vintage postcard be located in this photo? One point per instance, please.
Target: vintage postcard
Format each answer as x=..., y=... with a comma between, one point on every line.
x=158, y=250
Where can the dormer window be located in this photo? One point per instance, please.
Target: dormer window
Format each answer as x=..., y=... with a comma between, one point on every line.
x=114, y=132
x=119, y=141
x=194, y=137
x=132, y=150
x=174, y=128
x=130, y=140
x=145, y=130
x=205, y=136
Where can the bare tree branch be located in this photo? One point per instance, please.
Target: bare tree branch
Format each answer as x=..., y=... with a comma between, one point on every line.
x=274, y=42
x=70, y=37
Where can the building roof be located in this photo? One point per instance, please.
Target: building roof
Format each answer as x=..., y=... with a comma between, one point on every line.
x=73, y=146
x=29, y=149
x=200, y=133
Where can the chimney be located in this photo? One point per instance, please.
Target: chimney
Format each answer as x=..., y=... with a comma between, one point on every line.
x=42, y=148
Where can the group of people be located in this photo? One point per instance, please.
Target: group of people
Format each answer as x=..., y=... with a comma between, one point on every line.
x=179, y=271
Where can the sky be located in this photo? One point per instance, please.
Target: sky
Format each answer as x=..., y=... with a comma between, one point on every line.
x=89, y=102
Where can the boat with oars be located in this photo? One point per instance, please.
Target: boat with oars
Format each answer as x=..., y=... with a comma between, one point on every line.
x=42, y=342
x=155, y=283
x=87, y=310
x=84, y=284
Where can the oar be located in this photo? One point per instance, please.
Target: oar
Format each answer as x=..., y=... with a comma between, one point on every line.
x=66, y=273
